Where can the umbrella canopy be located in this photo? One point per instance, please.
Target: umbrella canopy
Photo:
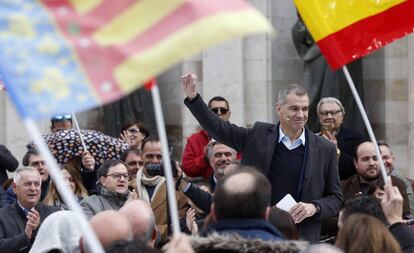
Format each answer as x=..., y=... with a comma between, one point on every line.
x=66, y=145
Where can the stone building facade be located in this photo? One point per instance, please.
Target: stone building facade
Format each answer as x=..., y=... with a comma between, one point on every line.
x=249, y=71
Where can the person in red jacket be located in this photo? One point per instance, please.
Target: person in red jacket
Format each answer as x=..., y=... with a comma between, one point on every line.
x=194, y=162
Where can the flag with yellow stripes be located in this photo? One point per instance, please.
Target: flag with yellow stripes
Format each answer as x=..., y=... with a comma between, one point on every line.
x=346, y=30
x=64, y=55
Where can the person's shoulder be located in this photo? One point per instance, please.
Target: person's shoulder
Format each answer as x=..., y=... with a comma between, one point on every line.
x=259, y=125
x=5, y=209
x=319, y=140
x=47, y=208
x=349, y=181
x=397, y=181
x=197, y=135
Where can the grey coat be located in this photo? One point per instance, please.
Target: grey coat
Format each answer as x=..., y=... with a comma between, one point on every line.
x=106, y=201
x=321, y=182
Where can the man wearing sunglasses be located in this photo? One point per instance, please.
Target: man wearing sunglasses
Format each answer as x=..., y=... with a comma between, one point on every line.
x=295, y=160
x=195, y=162
x=61, y=122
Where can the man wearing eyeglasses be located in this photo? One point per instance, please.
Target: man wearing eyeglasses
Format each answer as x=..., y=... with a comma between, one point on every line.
x=331, y=116
x=114, y=193
x=151, y=187
x=61, y=122
x=195, y=162
x=295, y=160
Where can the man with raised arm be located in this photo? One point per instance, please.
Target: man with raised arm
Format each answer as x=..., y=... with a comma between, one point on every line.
x=294, y=159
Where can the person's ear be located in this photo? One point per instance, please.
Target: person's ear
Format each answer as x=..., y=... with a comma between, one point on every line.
x=14, y=185
x=102, y=179
x=267, y=213
x=355, y=163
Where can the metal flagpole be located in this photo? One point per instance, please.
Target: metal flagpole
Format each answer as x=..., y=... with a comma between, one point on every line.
x=172, y=201
x=79, y=132
x=366, y=121
x=64, y=191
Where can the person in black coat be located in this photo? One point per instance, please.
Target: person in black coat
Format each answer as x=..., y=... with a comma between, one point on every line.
x=20, y=221
x=331, y=116
x=392, y=205
x=7, y=162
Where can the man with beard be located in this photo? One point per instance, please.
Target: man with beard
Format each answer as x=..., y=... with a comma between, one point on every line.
x=219, y=156
x=368, y=172
x=152, y=187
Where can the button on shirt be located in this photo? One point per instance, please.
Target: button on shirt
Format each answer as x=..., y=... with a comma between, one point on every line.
x=287, y=142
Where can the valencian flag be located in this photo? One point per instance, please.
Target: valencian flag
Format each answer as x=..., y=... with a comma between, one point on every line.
x=346, y=30
x=71, y=55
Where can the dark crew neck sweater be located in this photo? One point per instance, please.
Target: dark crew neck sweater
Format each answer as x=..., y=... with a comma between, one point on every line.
x=285, y=171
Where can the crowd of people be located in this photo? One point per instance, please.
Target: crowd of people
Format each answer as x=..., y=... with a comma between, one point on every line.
x=228, y=188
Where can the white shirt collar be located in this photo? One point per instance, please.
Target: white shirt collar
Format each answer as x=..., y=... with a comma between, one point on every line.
x=287, y=142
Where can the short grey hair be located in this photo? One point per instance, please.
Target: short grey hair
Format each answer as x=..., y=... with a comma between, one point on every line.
x=330, y=100
x=294, y=88
x=210, y=146
x=18, y=173
x=150, y=229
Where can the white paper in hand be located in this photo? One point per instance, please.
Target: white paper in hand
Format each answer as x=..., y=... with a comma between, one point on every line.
x=286, y=203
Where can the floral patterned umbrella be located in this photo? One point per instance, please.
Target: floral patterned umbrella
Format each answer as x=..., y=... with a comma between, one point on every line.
x=66, y=144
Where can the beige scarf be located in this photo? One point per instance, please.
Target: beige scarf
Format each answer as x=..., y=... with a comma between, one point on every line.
x=143, y=180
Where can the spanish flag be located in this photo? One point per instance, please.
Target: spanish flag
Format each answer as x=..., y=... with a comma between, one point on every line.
x=346, y=30
x=71, y=55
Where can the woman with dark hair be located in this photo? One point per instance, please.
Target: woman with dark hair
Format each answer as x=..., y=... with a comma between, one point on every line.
x=133, y=133
x=283, y=222
x=362, y=233
x=74, y=181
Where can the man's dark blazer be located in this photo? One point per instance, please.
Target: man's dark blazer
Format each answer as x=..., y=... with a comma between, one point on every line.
x=321, y=182
x=12, y=226
x=348, y=141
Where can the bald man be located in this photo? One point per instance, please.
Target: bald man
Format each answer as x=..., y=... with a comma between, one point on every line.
x=142, y=220
x=109, y=226
x=241, y=206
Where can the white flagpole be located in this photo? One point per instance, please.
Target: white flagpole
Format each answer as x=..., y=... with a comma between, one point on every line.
x=64, y=191
x=366, y=121
x=172, y=201
x=79, y=132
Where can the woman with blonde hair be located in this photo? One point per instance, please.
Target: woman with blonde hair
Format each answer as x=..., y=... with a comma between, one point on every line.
x=362, y=233
x=74, y=181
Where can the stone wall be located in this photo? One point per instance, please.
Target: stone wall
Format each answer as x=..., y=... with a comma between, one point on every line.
x=249, y=72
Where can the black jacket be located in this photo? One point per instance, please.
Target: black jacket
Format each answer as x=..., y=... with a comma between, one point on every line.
x=7, y=162
x=404, y=236
x=12, y=226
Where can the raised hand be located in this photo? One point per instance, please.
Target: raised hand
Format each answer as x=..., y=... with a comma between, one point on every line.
x=190, y=221
x=189, y=81
x=88, y=161
x=33, y=221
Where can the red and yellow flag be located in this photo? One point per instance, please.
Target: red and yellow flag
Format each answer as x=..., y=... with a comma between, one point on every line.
x=346, y=30
x=71, y=55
